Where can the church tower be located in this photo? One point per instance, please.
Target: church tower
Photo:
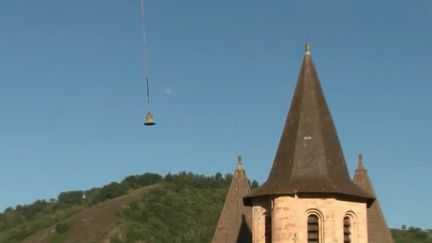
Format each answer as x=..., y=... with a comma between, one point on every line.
x=378, y=231
x=309, y=196
x=235, y=220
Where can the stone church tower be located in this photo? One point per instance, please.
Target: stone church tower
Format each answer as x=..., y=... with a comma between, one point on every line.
x=309, y=196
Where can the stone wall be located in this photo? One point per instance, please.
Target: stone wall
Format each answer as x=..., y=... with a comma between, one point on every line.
x=289, y=219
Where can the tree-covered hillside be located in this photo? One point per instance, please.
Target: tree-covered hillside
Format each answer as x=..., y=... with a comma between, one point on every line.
x=185, y=209
x=412, y=234
x=23, y=220
x=182, y=208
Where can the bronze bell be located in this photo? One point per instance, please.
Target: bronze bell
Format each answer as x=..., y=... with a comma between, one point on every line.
x=149, y=119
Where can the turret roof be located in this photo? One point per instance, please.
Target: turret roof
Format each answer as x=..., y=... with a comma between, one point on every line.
x=235, y=219
x=309, y=159
x=378, y=232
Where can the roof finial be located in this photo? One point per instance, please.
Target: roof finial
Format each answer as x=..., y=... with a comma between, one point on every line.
x=360, y=162
x=239, y=162
x=308, y=48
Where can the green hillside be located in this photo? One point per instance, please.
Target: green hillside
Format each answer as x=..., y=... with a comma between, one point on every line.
x=24, y=220
x=185, y=209
x=412, y=234
x=177, y=208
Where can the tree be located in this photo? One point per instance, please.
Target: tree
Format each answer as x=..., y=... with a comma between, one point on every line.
x=254, y=185
x=61, y=227
x=71, y=197
x=218, y=176
x=114, y=189
x=146, y=179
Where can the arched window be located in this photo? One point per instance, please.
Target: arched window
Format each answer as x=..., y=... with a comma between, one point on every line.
x=347, y=229
x=313, y=228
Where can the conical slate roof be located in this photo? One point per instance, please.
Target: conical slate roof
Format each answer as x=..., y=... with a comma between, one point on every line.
x=378, y=232
x=309, y=160
x=235, y=220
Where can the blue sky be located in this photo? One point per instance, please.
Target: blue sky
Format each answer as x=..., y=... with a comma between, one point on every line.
x=222, y=73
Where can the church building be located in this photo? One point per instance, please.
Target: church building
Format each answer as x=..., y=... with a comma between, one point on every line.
x=308, y=196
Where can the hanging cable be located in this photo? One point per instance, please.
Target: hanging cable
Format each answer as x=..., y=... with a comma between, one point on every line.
x=148, y=92
x=145, y=53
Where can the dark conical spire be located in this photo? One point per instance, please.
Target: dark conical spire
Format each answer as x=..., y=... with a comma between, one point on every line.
x=309, y=159
x=378, y=231
x=235, y=219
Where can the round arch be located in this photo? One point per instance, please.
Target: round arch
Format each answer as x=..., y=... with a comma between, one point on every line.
x=350, y=227
x=314, y=225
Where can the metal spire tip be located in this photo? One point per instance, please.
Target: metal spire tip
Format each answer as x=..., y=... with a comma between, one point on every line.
x=308, y=49
x=239, y=162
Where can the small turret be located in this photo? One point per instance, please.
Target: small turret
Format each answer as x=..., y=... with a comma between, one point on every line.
x=378, y=231
x=235, y=219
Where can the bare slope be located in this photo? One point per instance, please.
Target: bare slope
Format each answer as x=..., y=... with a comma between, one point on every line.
x=95, y=224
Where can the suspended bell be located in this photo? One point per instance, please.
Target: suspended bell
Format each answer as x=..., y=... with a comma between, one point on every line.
x=149, y=119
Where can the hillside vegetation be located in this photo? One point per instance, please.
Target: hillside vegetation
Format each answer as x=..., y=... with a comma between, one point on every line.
x=177, y=208
x=412, y=234
x=185, y=209
x=24, y=220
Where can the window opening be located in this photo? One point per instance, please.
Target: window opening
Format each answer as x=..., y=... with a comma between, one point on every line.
x=347, y=229
x=313, y=229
